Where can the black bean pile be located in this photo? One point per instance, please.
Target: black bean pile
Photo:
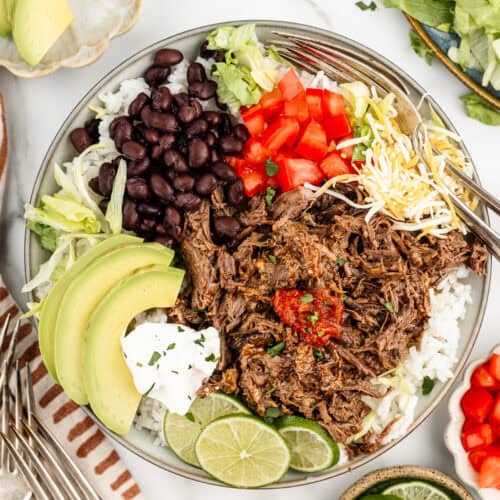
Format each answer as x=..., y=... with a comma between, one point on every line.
x=174, y=152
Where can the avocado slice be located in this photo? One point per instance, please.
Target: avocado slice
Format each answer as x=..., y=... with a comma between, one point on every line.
x=37, y=25
x=5, y=25
x=108, y=381
x=48, y=315
x=81, y=299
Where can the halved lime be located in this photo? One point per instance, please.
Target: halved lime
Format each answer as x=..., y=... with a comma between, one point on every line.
x=311, y=447
x=416, y=490
x=182, y=431
x=242, y=451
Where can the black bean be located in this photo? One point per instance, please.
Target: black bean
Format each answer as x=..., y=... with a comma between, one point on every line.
x=171, y=174
x=166, y=141
x=114, y=124
x=235, y=194
x=172, y=217
x=197, y=107
x=223, y=171
x=138, y=132
x=134, y=150
x=121, y=131
x=225, y=127
x=161, y=188
x=181, y=98
x=137, y=188
x=213, y=118
x=138, y=168
x=215, y=156
x=135, y=107
x=166, y=241
x=156, y=152
x=230, y=145
x=174, y=159
x=211, y=139
x=187, y=201
x=206, y=184
x=226, y=227
x=107, y=174
x=221, y=105
x=149, y=210
x=203, y=90
x=103, y=205
x=92, y=127
x=130, y=215
x=94, y=185
x=198, y=127
x=241, y=132
x=168, y=57
x=184, y=183
x=151, y=135
x=156, y=75
x=80, y=139
x=196, y=73
x=186, y=113
x=166, y=122
x=175, y=232
x=147, y=228
x=160, y=229
x=161, y=99
x=198, y=152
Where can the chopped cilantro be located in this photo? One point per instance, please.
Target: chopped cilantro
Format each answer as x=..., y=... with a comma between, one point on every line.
x=201, y=341
x=154, y=358
x=321, y=333
x=275, y=349
x=273, y=259
x=197, y=310
x=420, y=48
x=318, y=354
x=389, y=306
x=366, y=6
x=175, y=371
x=271, y=168
x=270, y=194
x=307, y=298
x=212, y=358
x=189, y=415
x=269, y=391
x=140, y=365
x=190, y=367
x=341, y=261
x=171, y=346
x=180, y=329
x=427, y=385
x=273, y=412
x=313, y=318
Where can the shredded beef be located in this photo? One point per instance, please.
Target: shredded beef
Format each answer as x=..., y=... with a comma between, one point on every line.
x=383, y=276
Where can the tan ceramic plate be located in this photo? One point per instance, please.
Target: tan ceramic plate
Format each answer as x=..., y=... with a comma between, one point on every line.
x=189, y=42
x=85, y=40
x=406, y=471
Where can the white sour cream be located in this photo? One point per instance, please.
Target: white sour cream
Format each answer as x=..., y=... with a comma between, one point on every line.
x=169, y=362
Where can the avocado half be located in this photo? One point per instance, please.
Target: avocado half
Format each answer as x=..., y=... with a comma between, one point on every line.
x=108, y=381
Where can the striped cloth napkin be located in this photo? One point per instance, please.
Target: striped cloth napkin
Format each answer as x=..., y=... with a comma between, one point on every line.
x=91, y=450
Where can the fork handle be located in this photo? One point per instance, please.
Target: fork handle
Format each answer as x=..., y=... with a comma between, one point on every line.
x=488, y=235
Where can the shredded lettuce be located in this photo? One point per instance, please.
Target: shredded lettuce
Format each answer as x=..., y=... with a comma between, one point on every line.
x=45, y=233
x=419, y=47
x=479, y=109
x=437, y=13
x=357, y=96
x=114, y=211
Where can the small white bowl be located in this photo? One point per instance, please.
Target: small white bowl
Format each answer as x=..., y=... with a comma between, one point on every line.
x=463, y=468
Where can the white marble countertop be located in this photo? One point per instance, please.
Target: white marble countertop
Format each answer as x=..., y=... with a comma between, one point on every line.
x=36, y=109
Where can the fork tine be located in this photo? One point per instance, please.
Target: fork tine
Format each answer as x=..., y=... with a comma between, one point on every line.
x=18, y=401
x=3, y=332
x=4, y=461
x=9, y=354
x=28, y=475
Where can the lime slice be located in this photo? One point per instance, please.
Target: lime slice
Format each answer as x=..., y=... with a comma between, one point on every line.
x=182, y=431
x=416, y=490
x=311, y=447
x=242, y=451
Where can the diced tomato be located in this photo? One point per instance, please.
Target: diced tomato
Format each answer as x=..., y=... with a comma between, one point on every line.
x=252, y=176
x=333, y=165
x=254, y=120
x=312, y=145
x=297, y=108
x=477, y=457
x=254, y=151
x=481, y=377
x=495, y=413
x=468, y=425
x=280, y=132
x=346, y=153
x=333, y=104
x=479, y=436
x=295, y=172
x=290, y=85
x=271, y=103
x=314, y=98
x=489, y=474
x=337, y=126
x=476, y=404
x=495, y=366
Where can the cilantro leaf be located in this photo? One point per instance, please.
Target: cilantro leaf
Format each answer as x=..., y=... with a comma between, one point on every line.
x=420, y=48
x=273, y=412
x=307, y=298
x=427, y=385
x=389, y=306
x=270, y=194
x=272, y=168
x=366, y=6
x=275, y=349
x=154, y=358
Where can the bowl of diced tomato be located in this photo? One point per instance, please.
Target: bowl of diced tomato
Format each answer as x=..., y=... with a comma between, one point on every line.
x=473, y=433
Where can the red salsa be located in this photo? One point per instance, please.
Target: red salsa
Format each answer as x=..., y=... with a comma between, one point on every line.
x=315, y=314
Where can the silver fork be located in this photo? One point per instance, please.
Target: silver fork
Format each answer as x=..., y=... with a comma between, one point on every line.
x=47, y=469
x=347, y=64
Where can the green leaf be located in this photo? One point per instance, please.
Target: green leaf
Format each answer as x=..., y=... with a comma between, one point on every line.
x=275, y=349
x=364, y=6
x=190, y=416
x=307, y=298
x=436, y=13
x=270, y=194
x=341, y=261
x=389, y=306
x=420, y=48
x=269, y=391
x=45, y=233
x=273, y=412
x=171, y=346
x=427, y=385
x=212, y=358
x=318, y=355
x=271, y=168
x=479, y=109
x=154, y=358
x=313, y=318
x=273, y=259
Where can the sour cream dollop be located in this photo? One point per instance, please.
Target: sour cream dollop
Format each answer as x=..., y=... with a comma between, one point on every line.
x=169, y=361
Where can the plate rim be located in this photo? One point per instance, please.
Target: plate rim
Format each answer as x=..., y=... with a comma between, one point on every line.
x=272, y=24
x=451, y=66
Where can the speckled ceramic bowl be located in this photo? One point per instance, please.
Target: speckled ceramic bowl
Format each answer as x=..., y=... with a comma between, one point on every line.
x=463, y=467
x=61, y=151
x=405, y=472
x=85, y=40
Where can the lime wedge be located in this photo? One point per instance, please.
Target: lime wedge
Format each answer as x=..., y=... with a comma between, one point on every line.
x=182, y=431
x=416, y=490
x=311, y=447
x=242, y=451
